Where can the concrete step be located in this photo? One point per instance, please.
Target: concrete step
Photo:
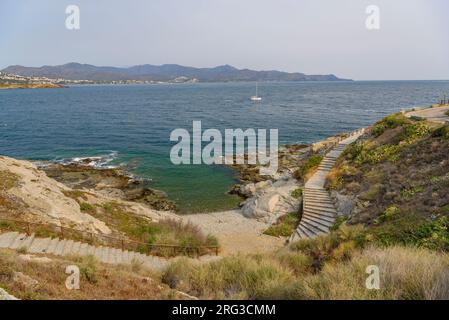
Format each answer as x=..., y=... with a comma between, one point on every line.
x=60, y=248
x=314, y=227
x=313, y=190
x=6, y=239
x=76, y=248
x=327, y=162
x=325, y=167
x=318, y=205
x=118, y=256
x=68, y=247
x=39, y=245
x=305, y=232
x=323, y=222
x=91, y=250
x=310, y=231
x=301, y=234
x=18, y=241
x=317, y=194
x=28, y=242
x=321, y=211
x=83, y=251
x=52, y=246
x=320, y=200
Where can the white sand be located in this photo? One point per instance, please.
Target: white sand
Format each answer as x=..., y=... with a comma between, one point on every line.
x=235, y=232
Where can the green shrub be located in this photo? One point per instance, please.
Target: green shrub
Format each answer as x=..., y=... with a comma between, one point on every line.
x=285, y=226
x=379, y=154
x=389, y=122
x=411, y=192
x=390, y=213
x=414, y=131
x=338, y=245
x=431, y=234
x=8, y=180
x=298, y=262
x=354, y=150
x=87, y=207
x=235, y=277
x=297, y=193
x=441, y=132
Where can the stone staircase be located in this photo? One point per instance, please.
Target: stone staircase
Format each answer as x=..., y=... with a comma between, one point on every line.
x=319, y=212
x=62, y=247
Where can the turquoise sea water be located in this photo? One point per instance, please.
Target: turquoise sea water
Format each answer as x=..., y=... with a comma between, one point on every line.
x=133, y=123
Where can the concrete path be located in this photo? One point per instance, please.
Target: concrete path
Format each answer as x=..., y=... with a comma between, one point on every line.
x=58, y=247
x=436, y=114
x=318, y=208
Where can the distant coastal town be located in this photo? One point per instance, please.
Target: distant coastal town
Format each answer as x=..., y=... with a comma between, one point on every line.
x=14, y=81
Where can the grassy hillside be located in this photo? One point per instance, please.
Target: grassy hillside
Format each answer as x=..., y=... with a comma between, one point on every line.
x=398, y=179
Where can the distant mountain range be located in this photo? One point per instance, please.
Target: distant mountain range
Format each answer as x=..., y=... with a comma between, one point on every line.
x=166, y=72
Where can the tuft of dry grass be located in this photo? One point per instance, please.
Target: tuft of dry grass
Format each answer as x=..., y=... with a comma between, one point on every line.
x=235, y=277
x=8, y=180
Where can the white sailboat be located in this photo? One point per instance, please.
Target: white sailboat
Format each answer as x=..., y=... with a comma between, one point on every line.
x=256, y=97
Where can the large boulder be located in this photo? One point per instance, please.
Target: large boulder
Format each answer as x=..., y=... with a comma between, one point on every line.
x=271, y=202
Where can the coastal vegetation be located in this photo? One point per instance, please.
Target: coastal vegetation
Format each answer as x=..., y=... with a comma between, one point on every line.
x=285, y=225
x=396, y=178
x=125, y=222
x=43, y=278
x=308, y=167
x=28, y=85
x=328, y=267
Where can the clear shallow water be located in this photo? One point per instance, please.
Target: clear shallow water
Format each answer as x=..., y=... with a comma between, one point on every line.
x=136, y=121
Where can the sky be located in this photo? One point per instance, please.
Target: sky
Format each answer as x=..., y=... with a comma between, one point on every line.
x=310, y=36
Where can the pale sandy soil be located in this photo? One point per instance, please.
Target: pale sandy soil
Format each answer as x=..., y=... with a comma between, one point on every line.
x=235, y=232
x=436, y=114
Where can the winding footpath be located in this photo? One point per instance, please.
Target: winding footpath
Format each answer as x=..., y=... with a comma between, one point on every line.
x=57, y=247
x=319, y=212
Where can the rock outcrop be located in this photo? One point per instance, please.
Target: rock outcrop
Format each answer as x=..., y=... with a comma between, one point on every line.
x=42, y=199
x=272, y=200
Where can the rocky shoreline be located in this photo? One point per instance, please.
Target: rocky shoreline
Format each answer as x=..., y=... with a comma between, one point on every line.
x=267, y=198
x=31, y=86
x=112, y=182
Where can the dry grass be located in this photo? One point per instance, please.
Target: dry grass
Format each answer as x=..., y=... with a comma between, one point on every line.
x=235, y=277
x=97, y=281
x=120, y=218
x=405, y=273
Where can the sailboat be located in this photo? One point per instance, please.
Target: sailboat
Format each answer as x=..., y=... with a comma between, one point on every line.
x=256, y=97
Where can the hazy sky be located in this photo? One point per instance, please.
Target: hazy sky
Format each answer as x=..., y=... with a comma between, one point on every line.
x=311, y=36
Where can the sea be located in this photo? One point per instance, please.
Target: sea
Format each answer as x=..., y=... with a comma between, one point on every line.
x=130, y=125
